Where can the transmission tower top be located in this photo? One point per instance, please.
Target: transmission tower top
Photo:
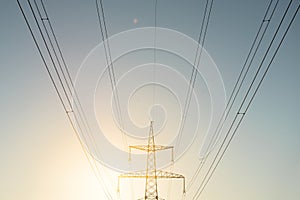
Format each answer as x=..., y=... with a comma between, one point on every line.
x=151, y=174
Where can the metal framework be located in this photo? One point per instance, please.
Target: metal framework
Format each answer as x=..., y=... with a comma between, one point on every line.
x=151, y=174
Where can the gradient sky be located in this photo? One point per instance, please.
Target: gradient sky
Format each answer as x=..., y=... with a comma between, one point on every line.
x=40, y=157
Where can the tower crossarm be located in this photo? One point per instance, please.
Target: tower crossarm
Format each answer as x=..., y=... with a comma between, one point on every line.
x=159, y=174
x=165, y=174
x=150, y=148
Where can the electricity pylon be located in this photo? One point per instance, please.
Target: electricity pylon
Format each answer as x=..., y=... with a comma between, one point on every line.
x=151, y=173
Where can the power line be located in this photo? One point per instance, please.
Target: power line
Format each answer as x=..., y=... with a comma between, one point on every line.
x=250, y=87
x=66, y=74
x=212, y=169
x=201, y=41
x=68, y=109
x=73, y=90
x=238, y=85
x=241, y=79
x=110, y=66
x=58, y=61
x=51, y=57
x=154, y=49
x=69, y=82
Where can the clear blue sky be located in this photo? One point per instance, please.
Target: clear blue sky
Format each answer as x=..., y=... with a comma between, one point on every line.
x=40, y=157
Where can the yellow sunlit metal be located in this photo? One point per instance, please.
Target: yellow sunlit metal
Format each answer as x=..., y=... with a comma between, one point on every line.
x=151, y=174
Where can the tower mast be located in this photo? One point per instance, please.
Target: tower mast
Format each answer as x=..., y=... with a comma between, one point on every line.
x=151, y=178
x=151, y=174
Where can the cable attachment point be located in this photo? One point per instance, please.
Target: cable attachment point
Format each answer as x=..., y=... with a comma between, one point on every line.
x=69, y=111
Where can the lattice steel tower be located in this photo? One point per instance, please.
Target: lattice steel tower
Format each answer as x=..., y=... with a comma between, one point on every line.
x=151, y=173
